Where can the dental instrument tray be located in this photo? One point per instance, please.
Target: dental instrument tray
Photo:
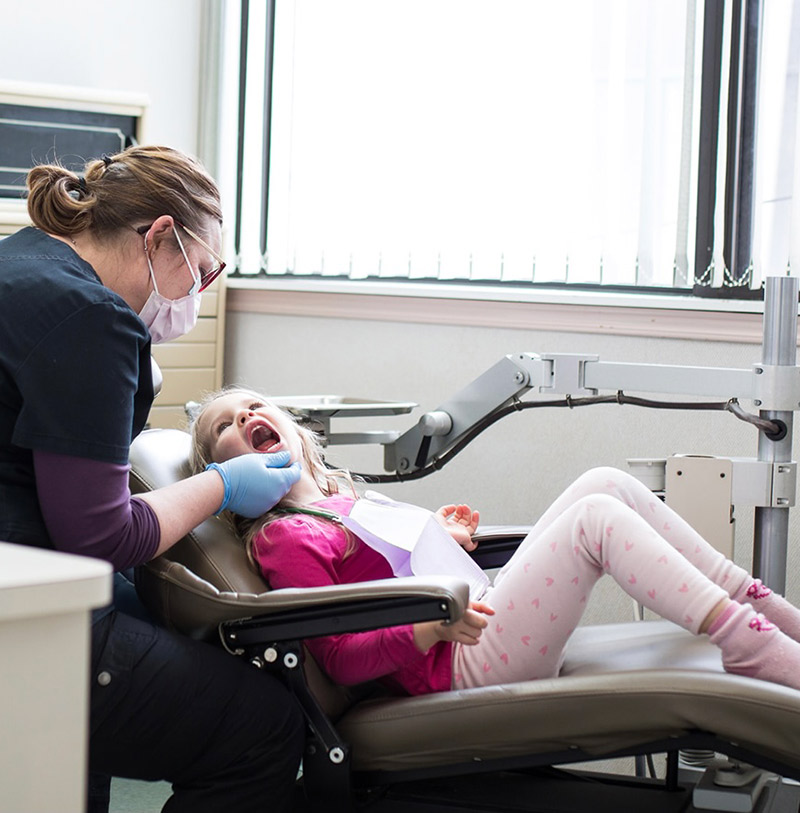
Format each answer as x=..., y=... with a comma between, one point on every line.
x=323, y=407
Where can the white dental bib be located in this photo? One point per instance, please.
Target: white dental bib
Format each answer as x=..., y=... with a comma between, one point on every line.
x=412, y=541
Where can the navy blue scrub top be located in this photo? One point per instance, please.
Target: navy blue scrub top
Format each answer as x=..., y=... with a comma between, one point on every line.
x=75, y=375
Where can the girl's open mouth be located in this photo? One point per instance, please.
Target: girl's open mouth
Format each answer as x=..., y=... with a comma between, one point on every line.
x=263, y=439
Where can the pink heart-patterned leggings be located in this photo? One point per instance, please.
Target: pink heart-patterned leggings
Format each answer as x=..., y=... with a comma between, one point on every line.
x=605, y=522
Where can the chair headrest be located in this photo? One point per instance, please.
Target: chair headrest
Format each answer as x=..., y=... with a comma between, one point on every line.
x=160, y=457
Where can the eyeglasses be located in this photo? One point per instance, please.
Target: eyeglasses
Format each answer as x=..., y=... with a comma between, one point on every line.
x=206, y=277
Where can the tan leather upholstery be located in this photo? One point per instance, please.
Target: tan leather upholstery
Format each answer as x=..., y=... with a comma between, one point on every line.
x=212, y=552
x=621, y=685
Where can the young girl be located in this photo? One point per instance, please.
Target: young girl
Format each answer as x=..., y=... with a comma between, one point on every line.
x=606, y=522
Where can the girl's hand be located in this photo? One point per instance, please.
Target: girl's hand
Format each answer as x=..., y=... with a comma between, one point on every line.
x=467, y=630
x=460, y=521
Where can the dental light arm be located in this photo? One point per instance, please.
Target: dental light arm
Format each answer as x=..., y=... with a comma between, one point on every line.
x=581, y=378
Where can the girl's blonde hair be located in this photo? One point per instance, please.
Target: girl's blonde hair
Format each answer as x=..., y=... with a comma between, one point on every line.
x=120, y=191
x=329, y=480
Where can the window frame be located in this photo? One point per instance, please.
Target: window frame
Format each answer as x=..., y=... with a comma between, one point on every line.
x=744, y=33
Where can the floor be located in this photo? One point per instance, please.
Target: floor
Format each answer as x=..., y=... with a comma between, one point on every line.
x=133, y=796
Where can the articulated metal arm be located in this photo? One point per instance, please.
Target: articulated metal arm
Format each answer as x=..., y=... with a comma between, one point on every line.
x=439, y=430
x=769, y=387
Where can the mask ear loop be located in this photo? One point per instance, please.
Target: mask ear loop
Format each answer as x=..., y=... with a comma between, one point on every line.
x=150, y=266
x=196, y=279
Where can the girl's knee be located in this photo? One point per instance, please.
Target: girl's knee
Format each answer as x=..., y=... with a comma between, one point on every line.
x=600, y=503
x=594, y=511
x=602, y=479
x=611, y=475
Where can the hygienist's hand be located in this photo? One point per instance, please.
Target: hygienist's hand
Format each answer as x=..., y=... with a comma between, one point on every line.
x=467, y=630
x=254, y=483
x=460, y=521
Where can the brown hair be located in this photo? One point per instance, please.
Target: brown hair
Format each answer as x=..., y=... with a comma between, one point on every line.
x=328, y=479
x=119, y=191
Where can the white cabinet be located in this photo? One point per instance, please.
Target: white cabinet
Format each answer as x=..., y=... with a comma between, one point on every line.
x=46, y=600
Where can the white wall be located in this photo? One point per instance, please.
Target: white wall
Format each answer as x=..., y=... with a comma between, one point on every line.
x=519, y=465
x=150, y=47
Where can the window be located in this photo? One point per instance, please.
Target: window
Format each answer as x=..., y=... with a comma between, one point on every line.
x=777, y=189
x=589, y=142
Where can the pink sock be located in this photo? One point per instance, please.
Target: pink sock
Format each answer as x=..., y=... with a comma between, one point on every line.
x=773, y=606
x=753, y=646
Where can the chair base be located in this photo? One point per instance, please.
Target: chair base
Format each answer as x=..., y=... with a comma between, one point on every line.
x=538, y=791
x=543, y=790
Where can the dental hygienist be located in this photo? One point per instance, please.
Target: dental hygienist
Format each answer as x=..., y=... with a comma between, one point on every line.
x=117, y=258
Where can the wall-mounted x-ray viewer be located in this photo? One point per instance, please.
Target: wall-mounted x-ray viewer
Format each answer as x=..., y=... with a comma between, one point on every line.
x=47, y=123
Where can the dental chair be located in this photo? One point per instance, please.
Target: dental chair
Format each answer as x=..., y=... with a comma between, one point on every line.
x=628, y=689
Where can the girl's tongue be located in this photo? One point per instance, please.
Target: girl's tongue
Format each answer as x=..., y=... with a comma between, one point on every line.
x=263, y=438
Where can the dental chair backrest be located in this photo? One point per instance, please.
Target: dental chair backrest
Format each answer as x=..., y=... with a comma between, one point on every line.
x=205, y=578
x=211, y=551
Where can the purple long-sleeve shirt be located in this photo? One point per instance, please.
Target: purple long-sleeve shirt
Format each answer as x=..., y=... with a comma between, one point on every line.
x=88, y=509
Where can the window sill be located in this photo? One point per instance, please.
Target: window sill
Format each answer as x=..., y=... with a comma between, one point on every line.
x=657, y=316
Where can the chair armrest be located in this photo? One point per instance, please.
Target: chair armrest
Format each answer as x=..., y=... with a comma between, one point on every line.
x=497, y=544
x=196, y=607
x=349, y=608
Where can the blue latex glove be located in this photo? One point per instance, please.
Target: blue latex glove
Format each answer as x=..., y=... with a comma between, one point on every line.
x=254, y=483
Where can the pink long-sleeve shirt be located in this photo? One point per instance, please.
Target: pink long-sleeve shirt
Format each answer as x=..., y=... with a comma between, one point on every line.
x=305, y=551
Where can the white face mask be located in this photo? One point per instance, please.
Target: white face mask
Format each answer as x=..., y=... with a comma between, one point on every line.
x=167, y=319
